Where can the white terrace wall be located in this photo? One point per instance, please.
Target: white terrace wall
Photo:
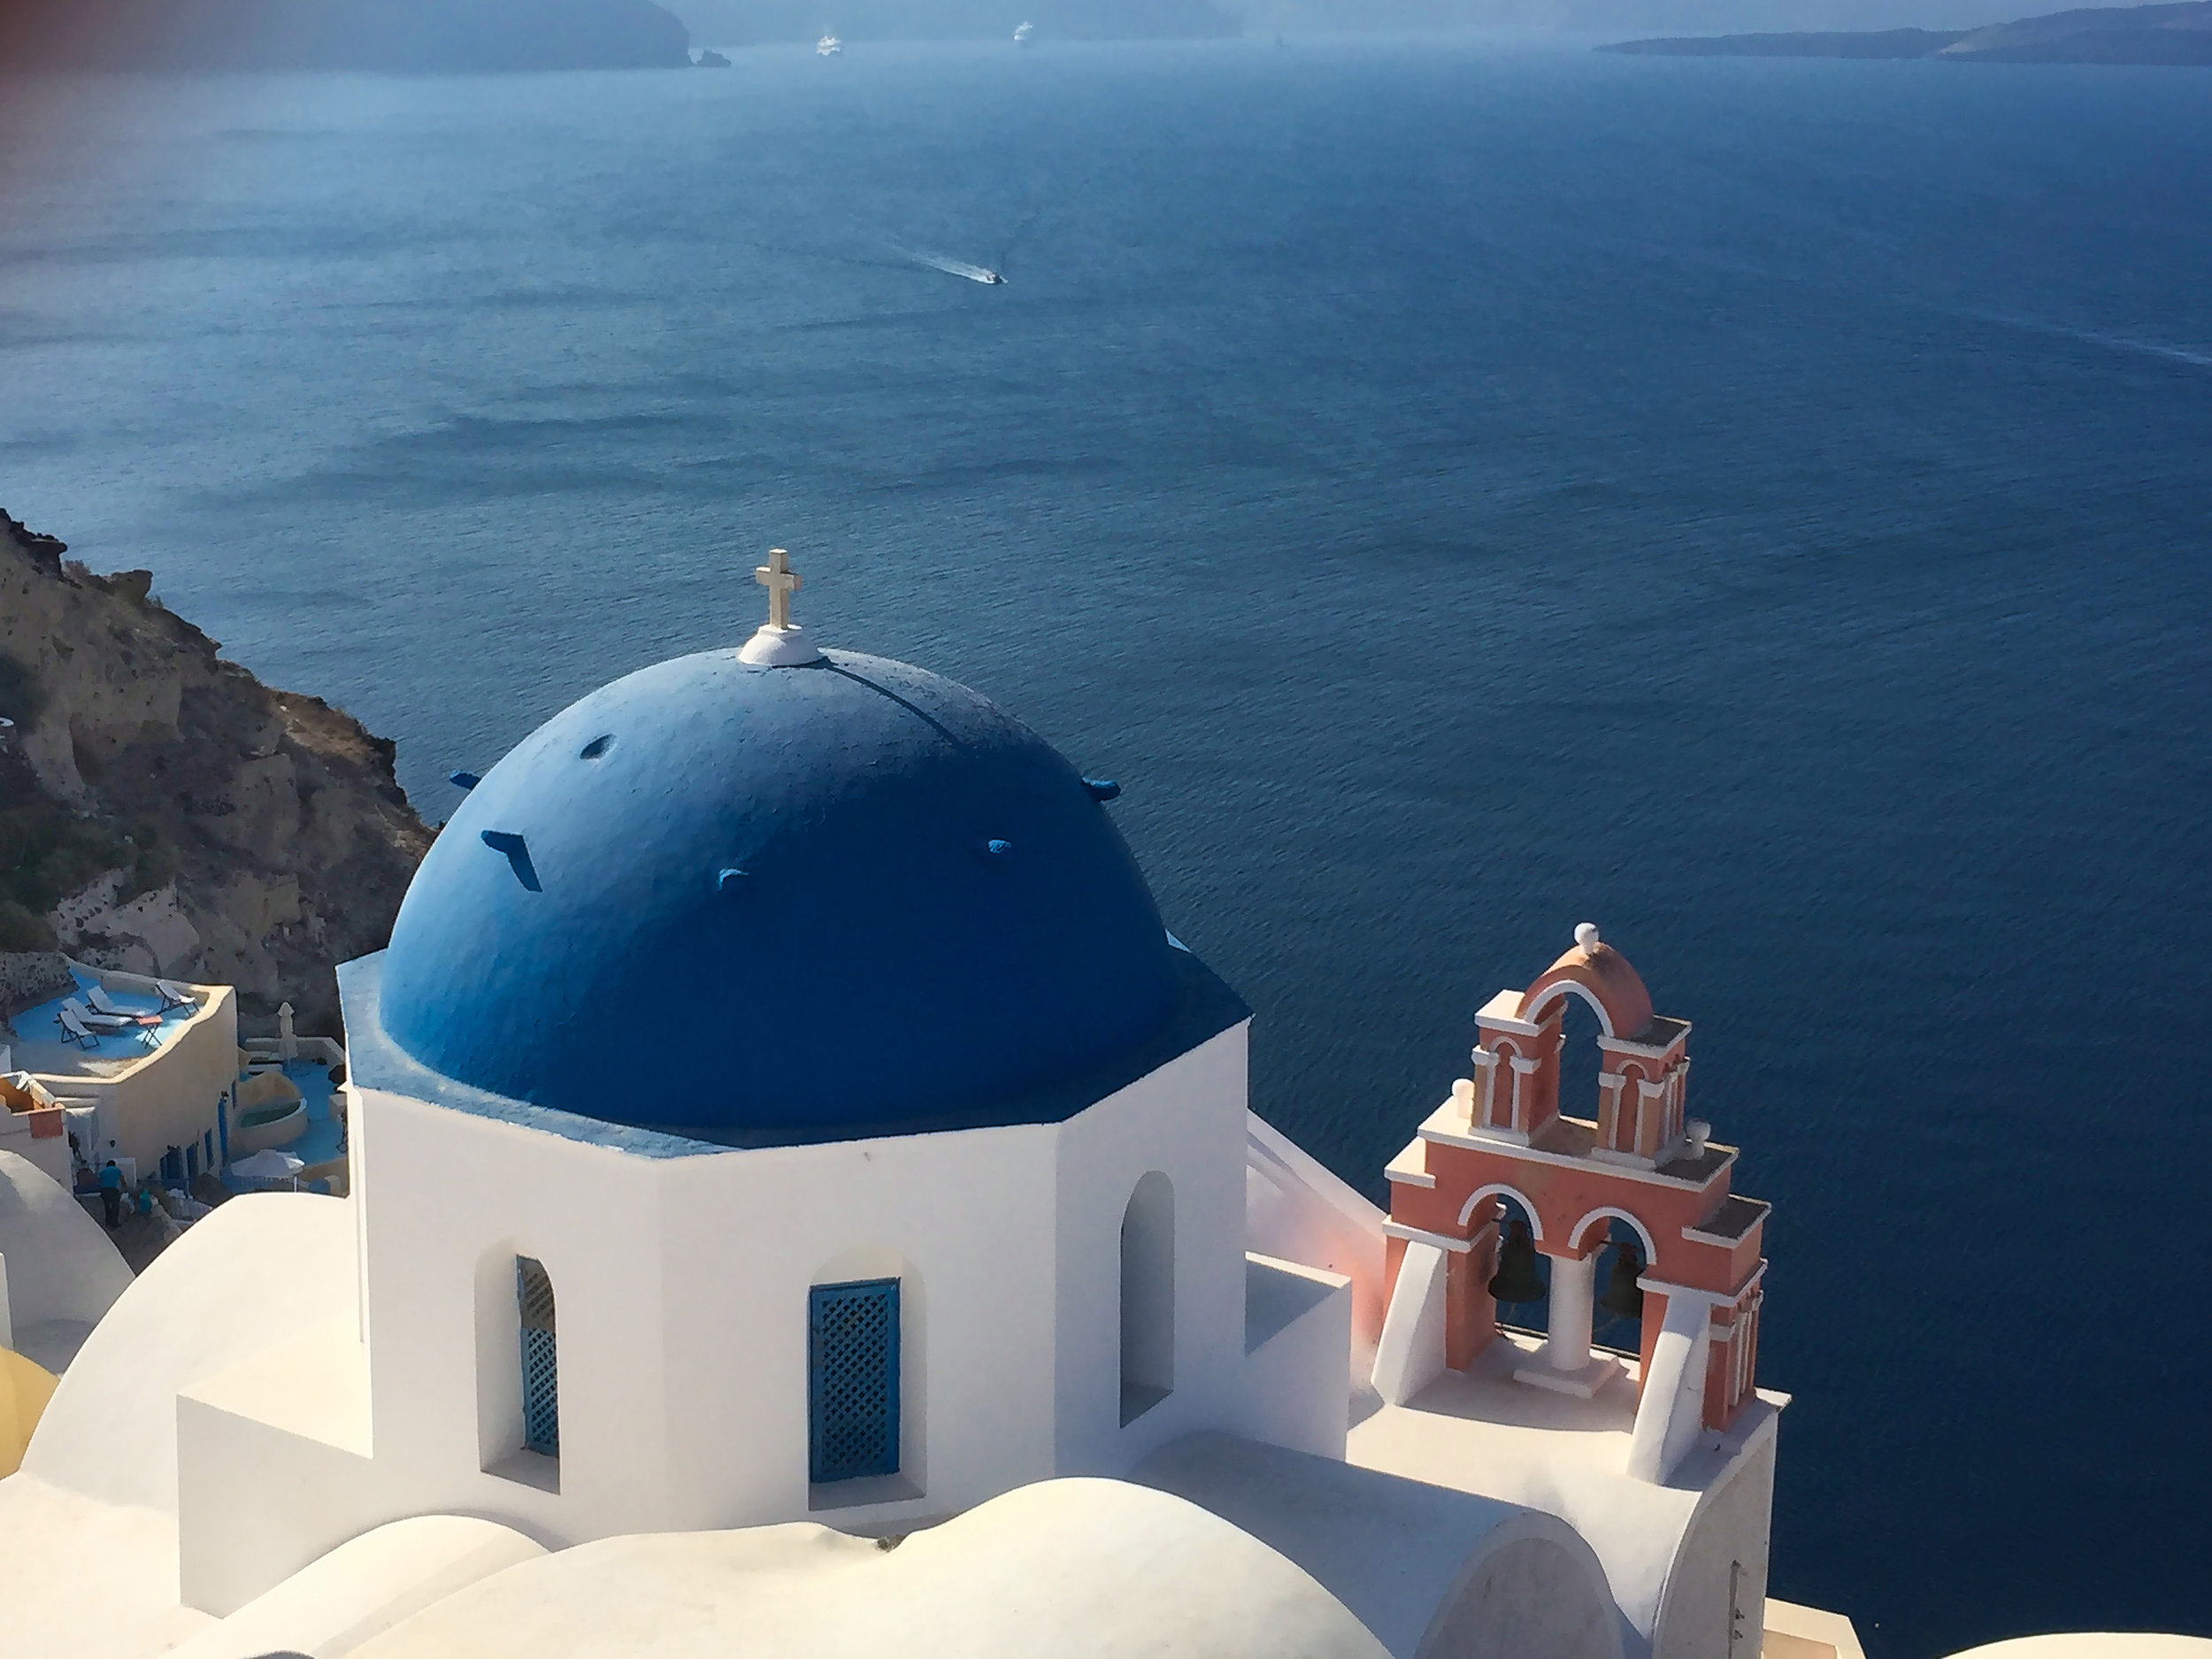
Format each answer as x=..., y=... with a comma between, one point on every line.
x=49, y=1154
x=56, y=1265
x=1723, y=1554
x=250, y=1274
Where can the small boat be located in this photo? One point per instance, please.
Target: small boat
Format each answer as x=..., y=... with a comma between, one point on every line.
x=1022, y=35
x=829, y=46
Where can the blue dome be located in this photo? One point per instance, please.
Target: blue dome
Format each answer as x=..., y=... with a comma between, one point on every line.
x=731, y=899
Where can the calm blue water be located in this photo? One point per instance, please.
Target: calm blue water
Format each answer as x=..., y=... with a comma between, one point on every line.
x=1461, y=490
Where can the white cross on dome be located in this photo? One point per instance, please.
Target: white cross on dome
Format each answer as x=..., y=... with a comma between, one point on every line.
x=781, y=581
x=781, y=643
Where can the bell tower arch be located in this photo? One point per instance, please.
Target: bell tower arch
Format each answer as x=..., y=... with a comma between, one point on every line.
x=1640, y=1188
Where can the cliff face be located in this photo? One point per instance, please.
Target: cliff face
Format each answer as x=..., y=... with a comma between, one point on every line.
x=161, y=810
x=2179, y=34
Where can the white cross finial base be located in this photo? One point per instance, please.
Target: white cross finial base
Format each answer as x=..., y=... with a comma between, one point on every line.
x=779, y=648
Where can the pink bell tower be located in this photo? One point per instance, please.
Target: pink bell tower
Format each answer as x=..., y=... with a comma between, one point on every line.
x=1639, y=1159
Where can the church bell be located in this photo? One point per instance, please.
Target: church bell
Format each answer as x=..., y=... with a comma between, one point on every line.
x=1515, y=1280
x=1623, y=1297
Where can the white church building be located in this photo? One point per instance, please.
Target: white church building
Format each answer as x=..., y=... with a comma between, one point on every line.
x=802, y=1197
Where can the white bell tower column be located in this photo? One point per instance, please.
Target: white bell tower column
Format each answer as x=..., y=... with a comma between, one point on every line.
x=1573, y=1282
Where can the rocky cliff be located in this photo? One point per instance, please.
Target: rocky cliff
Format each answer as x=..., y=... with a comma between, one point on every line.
x=2177, y=34
x=162, y=811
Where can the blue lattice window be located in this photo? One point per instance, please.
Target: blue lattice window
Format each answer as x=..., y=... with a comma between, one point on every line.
x=541, y=1359
x=853, y=1379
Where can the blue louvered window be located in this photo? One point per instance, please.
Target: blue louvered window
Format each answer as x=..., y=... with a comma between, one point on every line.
x=541, y=1359
x=853, y=1379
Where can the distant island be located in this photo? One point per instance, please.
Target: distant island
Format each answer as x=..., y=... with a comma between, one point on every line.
x=2155, y=35
x=393, y=36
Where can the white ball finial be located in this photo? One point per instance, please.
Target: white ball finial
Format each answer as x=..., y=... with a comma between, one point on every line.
x=1586, y=936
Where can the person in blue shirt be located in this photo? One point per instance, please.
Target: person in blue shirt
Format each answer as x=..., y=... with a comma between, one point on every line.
x=111, y=1193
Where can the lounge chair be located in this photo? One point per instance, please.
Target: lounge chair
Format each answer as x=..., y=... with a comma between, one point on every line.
x=97, y=1022
x=73, y=1030
x=103, y=1003
x=175, y=995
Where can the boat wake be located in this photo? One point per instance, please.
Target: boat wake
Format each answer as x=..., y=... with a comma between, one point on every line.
x=897, y=256
x=955, y=267
x=2091, y=337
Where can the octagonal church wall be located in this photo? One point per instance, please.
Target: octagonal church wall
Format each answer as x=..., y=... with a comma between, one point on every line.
x=681, y=1289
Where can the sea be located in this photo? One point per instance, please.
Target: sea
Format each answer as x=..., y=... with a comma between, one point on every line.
x=1460, y=487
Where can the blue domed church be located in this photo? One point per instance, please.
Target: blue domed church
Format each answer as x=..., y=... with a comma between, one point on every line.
x=781, y=1103
x=781, y=1100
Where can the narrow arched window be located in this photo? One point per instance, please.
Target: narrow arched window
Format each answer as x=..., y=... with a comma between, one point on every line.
x=541, y=1359
x=1147, y=1296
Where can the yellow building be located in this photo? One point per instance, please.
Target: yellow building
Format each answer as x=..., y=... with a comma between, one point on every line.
x=25, y=1389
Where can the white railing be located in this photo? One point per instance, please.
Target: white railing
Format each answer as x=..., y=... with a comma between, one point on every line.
x=325, y=1051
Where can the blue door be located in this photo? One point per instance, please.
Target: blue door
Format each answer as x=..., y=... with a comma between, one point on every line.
x=853, y=1379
